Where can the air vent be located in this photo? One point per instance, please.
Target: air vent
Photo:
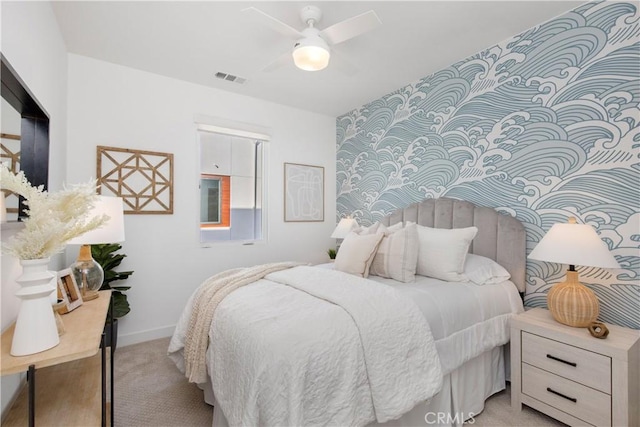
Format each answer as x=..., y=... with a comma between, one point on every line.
x=230, y=77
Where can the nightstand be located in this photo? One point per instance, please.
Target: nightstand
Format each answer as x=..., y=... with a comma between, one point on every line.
x=569, y=375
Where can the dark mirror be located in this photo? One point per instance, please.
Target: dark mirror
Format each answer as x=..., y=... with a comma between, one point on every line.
x=33, y=135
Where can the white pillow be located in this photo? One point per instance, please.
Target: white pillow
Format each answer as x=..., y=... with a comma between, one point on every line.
x=356, y=253
x=397, y=254
x=484, y=271
x=390, y=229
x=372, y=229
x=443, y=251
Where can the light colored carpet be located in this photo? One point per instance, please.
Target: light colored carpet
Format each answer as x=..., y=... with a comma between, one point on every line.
x=150, y=391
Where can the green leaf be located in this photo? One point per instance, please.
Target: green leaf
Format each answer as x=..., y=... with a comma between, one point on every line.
x=120, y=304
x=106, y=256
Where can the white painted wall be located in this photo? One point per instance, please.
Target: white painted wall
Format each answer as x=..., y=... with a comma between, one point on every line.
x=33, y=45
x=116, y=106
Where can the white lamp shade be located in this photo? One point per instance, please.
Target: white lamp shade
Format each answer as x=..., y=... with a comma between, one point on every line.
x=344, y=227
x=574, y=244
x=311, y=54
x=112, y=231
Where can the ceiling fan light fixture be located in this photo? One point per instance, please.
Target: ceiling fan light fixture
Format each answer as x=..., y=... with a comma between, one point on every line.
x=311, y=54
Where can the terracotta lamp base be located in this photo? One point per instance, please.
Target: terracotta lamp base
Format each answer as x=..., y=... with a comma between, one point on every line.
x=573, y=304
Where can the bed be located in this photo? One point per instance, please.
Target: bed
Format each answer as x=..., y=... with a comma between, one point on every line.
x=263, y=329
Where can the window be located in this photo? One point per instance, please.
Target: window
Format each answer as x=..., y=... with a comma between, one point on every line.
x=215, y=193
x=231, y=184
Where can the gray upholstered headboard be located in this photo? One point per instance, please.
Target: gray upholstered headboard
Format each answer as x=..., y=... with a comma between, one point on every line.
x=500, y=237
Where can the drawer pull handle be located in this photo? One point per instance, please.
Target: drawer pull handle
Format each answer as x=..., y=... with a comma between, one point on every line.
x=557, y=359
x=573, y=399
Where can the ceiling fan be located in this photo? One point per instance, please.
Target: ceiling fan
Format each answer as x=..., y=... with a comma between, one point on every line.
x=312, y=47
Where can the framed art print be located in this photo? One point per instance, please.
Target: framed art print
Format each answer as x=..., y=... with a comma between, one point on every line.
x=303, y=193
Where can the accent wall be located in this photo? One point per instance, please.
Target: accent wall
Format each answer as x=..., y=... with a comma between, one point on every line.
x=542, y=126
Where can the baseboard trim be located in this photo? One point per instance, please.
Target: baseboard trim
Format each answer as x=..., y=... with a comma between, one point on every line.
x=143, y=336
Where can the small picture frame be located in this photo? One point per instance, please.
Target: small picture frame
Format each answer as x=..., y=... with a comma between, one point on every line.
x=68, y=291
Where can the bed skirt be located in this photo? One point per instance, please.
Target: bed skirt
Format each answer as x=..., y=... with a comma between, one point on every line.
x=463, y=394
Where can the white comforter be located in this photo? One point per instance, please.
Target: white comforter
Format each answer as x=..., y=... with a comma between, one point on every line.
x=465, y=319
x=310, y=346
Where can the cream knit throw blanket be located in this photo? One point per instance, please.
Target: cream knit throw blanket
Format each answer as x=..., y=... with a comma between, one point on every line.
x=210, y=293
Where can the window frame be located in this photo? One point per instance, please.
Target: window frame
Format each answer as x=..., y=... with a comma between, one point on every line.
x=230, y=128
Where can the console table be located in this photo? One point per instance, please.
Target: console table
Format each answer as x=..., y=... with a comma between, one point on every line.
x=70, y=388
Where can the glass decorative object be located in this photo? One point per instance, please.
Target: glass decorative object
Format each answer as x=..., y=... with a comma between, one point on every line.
x=88, y=274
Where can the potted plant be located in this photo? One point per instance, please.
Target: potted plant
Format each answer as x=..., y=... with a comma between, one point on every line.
x=106, y=256
x=332, y=253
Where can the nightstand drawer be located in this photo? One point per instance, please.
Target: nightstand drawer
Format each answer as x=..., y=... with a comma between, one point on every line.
x=587, y=404
x=585, y=367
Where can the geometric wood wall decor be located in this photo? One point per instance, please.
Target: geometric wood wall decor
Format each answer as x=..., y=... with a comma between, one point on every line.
x=144, y=179
x=10, y=155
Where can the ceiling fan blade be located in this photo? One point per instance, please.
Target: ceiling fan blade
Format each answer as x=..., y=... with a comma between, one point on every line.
x=275, y=24
x=279, y=62
x=350, y=28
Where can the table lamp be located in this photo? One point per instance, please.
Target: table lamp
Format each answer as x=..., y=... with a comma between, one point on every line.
x=88, y=273
x=571, y=303
x=343, y=228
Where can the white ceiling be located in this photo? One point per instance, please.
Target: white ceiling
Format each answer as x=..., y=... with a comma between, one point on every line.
x=191, y=41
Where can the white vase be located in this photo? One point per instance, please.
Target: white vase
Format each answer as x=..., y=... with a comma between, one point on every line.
x=35, y=329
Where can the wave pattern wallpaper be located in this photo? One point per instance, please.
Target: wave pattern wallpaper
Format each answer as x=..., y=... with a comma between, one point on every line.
x=542, y=126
